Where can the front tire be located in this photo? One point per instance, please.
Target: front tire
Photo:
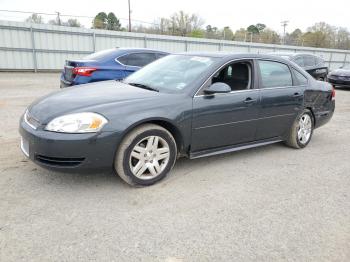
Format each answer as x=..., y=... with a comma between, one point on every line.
x=301, y=131
x=146, y=155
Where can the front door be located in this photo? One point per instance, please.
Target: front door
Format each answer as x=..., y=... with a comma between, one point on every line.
x=226, y=119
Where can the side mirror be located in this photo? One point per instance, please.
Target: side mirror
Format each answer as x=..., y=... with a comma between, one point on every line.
x=217, y=88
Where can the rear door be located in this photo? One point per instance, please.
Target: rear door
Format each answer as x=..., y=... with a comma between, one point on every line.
x=281, y=99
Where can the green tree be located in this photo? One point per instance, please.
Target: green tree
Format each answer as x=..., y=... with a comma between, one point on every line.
x=253, y=29
x=100, y=21
x=113, y=22
x=260, y=27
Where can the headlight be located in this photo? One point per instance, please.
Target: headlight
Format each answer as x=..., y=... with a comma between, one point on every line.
x=77, y=123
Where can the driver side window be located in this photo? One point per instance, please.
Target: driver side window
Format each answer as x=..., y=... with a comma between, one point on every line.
x=237, y=75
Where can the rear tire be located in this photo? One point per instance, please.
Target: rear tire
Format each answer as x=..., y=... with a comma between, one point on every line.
x=301, y=131
x=146, y=155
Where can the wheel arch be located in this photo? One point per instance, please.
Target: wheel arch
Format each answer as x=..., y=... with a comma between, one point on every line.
x=313, y=115
x=166, y=124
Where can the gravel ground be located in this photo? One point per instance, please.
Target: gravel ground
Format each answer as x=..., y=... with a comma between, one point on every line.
x=266, y=204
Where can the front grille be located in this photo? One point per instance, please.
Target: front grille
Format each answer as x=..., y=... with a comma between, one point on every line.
x=59, y=161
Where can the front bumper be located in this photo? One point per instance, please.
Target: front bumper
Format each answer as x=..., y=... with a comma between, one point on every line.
x=338, y=82
x=69, y=151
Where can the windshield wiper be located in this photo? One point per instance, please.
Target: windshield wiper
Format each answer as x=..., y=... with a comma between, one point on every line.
x=144, y=86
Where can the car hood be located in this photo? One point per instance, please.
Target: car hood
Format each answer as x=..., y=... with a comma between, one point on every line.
x=77, y=98
x=341, y=72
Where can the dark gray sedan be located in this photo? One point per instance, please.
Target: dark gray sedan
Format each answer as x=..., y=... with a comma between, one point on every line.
x=190, y=104
x=340, y=77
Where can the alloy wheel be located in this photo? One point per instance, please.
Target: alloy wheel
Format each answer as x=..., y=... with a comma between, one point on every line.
x=305, y=128
x=149, y=157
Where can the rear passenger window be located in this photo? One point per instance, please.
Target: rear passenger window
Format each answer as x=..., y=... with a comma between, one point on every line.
x=301, y=79
x=299, y=61
x=137, y=59
x=319, y=61
x=274, y=74
x=309, y=60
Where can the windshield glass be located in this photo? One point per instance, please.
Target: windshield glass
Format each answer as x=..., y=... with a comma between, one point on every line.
x=347, y=67
x=172, y=73
x=100, y=55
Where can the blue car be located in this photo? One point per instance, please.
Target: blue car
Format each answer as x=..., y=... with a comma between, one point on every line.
x=116, y=63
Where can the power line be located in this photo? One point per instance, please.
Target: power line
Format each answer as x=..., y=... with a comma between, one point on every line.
x=71, y=15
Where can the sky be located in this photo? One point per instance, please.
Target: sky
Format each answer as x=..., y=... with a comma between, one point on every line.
x=235, y=14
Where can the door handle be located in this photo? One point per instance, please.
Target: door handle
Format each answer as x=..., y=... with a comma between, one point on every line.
x=296, y=94
x=249, y=100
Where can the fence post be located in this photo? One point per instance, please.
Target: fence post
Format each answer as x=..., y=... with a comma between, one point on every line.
x=93, y=42
x=346, y=54
x=330, y=60
x=186, y=46
x=145, y=42
x=33, y=50
x=222, y=47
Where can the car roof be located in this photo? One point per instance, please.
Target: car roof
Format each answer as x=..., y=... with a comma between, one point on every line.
x=112, y=53
x=231, y=55
x=130, y=50
x=292, y=54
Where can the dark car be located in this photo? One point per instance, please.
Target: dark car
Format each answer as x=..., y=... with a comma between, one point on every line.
x=312, y=64
x=110, y=64
x=190, y=104
x=340, y=77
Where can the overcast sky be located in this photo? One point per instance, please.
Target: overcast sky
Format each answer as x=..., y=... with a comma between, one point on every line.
x=220, y=13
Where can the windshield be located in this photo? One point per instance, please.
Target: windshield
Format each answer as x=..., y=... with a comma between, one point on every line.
x=172, y=73
x=347, y=67
x=101, y=54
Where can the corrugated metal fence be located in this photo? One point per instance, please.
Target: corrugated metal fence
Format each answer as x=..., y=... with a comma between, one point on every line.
x=25, y=46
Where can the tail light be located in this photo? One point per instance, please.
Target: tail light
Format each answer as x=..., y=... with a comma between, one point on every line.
x=333, y=92
x=84, y=71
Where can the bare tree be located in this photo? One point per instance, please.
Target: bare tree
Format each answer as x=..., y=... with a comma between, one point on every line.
x=35, y=19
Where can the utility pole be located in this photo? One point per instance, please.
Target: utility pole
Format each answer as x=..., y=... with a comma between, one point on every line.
x=58, y=18
x=129, y=16
x=284, y=24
